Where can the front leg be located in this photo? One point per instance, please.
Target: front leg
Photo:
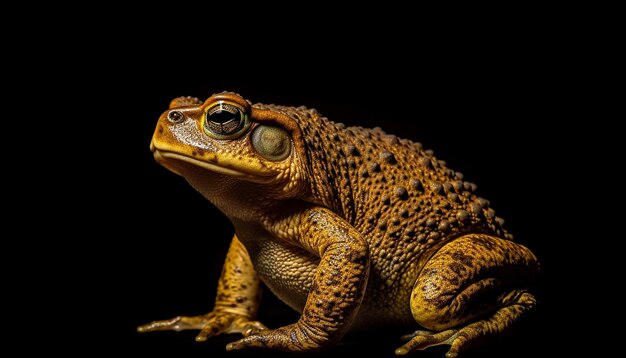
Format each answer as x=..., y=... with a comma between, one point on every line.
x=236, y=304
x=338, y=285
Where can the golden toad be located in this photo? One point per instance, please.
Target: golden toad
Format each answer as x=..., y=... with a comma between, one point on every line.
x=349, y=226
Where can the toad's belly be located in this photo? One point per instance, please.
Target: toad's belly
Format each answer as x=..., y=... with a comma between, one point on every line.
x=288, y=271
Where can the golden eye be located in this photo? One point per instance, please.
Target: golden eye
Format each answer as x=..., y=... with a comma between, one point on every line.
x=272, y=143
x=226, y=120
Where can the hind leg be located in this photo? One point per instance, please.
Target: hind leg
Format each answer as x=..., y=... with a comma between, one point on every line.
x=473, y=287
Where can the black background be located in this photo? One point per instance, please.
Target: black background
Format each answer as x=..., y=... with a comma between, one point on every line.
x=490, y=109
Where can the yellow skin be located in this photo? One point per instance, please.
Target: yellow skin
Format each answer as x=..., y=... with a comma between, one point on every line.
x=351, y=227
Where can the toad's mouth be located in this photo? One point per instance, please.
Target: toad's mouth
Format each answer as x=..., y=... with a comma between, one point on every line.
x=175, y=162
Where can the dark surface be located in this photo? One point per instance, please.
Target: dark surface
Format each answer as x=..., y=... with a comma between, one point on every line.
x=160, y=250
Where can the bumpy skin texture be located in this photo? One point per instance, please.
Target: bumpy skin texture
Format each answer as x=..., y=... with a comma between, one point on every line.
x=353, y=227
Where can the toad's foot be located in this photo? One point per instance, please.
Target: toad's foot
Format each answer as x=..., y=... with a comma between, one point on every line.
x=291, y=338
x=211, y=324
x=420, y=340
x=465, y=337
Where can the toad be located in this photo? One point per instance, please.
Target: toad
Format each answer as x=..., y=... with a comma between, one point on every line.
x=352, y=227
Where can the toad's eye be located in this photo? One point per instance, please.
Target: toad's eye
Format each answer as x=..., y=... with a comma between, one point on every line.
x=226, y=120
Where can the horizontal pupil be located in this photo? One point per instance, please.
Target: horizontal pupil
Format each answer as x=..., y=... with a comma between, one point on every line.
x=222, y=116
x=224, y=121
